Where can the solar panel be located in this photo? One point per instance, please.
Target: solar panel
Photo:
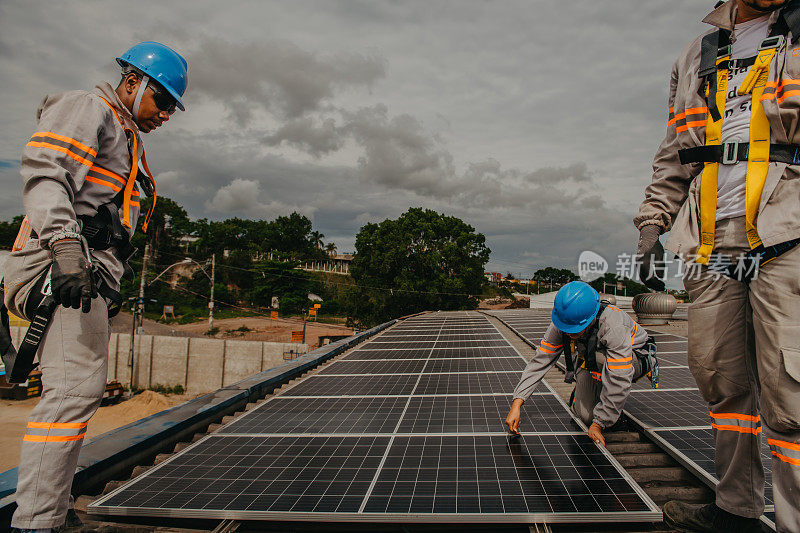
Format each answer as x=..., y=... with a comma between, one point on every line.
x=379, y=414
x=494, y=351
x=488, y=383
x=664, y=408
x=486, y=364
x=556, y=474
x=319, y=385
x=391, y=366
x=670, y=378
x=408, y=427
x=364, y=354
x=483, y=414
x=258, y=476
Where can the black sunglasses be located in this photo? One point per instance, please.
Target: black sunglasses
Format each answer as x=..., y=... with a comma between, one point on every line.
x=163, y=100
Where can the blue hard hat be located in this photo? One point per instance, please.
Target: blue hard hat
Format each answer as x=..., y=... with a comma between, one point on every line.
x=162, y=64
x=575, y=307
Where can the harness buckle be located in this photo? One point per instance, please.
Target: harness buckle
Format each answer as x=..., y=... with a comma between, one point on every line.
x=724, y=51
x=730, y=152
x=771, y=42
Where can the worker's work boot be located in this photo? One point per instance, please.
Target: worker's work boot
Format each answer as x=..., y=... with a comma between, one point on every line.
x=73, y=524
x=708, y=518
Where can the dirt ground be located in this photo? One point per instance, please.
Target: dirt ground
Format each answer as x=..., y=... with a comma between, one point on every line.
x=15, y=416
x=261, y=328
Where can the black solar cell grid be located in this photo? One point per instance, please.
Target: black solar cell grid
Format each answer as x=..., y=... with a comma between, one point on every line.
x=353, y=385
x=467, y=383
x=673, y=359
x=499, y=343
x=365, y=354
x=698, y=446
x=483, y=414
x=487, y=475
x=669, y=378
x=410, y=343
x=475, y=364
x=668, y=408
x=395, y=366
x=321, y=415
x=311, y=474
x=493, y=351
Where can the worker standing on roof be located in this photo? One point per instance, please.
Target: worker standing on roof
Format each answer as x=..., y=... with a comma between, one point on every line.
x=83, y=171
x=605, y=352
x=726, y=184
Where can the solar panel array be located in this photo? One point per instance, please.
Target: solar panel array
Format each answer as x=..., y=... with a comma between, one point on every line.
x=407, y=427
x=675, y=414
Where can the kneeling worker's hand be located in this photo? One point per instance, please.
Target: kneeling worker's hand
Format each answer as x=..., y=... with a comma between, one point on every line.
x=514, y=414
x=596, y=433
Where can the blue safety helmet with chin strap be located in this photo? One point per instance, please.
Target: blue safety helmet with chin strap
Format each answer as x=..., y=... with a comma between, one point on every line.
x=161, y=64
x=576, y=304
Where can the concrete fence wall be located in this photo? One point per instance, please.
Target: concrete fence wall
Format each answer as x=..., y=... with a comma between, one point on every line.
x=200, y=365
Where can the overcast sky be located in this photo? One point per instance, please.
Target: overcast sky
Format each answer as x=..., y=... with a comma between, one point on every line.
x=534, y=121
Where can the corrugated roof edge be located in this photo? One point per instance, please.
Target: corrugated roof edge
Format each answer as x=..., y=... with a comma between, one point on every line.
x=110, y=454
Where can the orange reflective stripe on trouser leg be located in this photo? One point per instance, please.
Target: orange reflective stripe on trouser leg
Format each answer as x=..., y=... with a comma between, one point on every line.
x=788, y=452
x=738, y=422
x=55, y=431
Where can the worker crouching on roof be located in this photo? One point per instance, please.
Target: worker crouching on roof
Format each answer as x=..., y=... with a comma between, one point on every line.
x=726, y=185
x=83, y=173
x=607, y=349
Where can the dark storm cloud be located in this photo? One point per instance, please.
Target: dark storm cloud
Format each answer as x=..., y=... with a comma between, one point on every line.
x=277, y=76
x=535, y=122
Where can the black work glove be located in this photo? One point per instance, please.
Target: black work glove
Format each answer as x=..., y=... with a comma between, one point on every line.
x=71, y=279
x=651, y=255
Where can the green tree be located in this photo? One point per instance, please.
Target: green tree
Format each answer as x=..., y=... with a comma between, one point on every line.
x=8, y=232
x=421, y=261
x=281, y=279
x=554, y=276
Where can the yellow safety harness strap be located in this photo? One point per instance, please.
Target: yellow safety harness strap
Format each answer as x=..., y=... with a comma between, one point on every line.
x=758, y=157
x=708, y=181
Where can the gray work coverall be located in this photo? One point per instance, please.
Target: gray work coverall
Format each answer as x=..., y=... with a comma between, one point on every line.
x=599, y=396
x=744, y=340
x=77, y=160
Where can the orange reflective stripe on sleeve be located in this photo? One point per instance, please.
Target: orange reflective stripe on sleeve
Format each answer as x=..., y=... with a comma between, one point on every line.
x=620, y=367
x=92, y=152
x=545, y=350
x=116, y=188
x=100, y=170
x=76, y=157
x=553, y=346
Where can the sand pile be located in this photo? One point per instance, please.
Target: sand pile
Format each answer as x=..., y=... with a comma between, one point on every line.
x=140, y=406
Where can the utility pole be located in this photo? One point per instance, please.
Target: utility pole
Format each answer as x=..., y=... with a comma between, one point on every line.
x=138, y=310
x=305, y=312
x=211, y=301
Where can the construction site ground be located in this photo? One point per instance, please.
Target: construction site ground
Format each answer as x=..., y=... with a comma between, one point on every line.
x=258, y=328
